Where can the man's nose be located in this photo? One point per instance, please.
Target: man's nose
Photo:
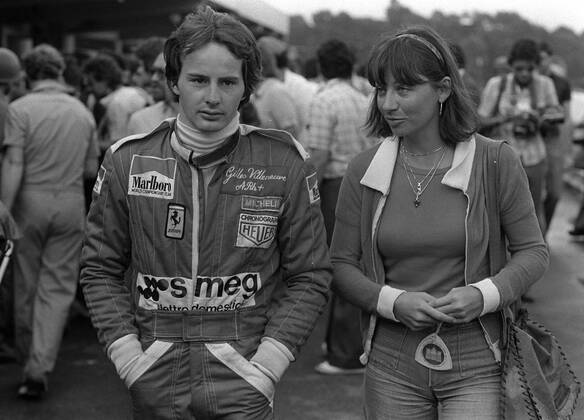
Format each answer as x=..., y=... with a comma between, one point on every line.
x=213, y=94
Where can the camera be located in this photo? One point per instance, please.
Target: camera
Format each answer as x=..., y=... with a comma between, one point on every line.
x=525, y=125
x=552, y=116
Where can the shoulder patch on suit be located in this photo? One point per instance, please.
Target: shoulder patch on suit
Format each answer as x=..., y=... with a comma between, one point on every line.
x=164, y=124
x=278, y=135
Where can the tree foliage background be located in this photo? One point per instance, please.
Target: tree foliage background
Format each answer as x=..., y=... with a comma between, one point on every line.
x=483, y=37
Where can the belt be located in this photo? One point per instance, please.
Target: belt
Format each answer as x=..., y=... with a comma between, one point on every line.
x=201, y=326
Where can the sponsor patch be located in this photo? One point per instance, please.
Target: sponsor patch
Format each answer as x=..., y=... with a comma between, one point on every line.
x=153, y=177
x=205, y=293
x=99, y=180
x=312, y=185
x=256, y=230
x=175, y=221
x=254, y=179
x=253, y=203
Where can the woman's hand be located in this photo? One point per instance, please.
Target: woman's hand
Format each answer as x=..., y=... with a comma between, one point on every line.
x=416, y=311
x=462, y=303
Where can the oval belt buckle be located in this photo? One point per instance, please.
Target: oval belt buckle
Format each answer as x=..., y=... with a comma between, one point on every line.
x=433, y=353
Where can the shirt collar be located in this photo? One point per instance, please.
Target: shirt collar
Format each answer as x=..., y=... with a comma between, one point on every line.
x=383, y=162
x=49, y=84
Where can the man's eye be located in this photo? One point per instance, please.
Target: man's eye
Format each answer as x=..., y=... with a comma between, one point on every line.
x=198, y=80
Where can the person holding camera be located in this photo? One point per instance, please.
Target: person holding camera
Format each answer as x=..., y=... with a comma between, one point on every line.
x=516, y=107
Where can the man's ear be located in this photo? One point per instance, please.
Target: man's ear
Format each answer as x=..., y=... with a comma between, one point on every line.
x=174, y=88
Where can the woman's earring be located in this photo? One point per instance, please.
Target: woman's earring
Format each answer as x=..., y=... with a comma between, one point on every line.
x=441, y=104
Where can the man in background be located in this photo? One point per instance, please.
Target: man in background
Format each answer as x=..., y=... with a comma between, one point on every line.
x=50, y=149
x=147, y=119
x=300, y=89
x=10, y=76
x=104, y=78
x=556, y=136
x=512, y=106
x=334, y=135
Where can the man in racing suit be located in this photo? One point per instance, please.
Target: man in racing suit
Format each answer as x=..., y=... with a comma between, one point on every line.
x=205, y=273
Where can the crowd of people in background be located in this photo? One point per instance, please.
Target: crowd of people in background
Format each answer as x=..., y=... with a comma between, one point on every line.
x=60, y=113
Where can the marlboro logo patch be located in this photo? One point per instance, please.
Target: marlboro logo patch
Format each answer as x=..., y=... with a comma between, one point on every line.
x=152, y=177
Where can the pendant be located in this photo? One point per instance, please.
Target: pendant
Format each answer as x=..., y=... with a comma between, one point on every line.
x=433, y=353
x=417, y=202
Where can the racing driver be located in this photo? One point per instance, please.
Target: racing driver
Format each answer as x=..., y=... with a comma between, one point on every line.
x=205, y=264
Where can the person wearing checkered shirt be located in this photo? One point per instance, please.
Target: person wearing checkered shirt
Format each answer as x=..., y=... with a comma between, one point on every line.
x=334, y=135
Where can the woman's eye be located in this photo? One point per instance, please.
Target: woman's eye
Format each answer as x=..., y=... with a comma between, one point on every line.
x=381, y=91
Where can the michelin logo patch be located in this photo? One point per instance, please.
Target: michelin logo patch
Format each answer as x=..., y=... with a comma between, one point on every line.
x=205, y=293
x=175, y=221
x=253, y=203
x=256, y=230
x=99, y=180
x=312, y=185
x=152, y=177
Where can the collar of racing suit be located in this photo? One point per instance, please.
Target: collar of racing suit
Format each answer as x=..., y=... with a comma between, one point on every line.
x=218, y=155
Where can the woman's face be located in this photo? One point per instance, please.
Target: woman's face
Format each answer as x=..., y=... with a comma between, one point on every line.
x=210, y=87
x=410, y=110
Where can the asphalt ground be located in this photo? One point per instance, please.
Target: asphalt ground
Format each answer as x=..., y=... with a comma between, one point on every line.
x=85, y=386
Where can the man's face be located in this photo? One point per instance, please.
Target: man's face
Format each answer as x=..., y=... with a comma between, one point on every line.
x=523, y=71
x=210, y=87
x=156, y=85
x=98, y=87
x=545, y=60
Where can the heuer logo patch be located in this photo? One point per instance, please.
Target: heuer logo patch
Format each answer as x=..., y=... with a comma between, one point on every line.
x=256, y=230
x=312, y=185
x=99, y=180
x=251, y=203
x=175, y=221
x=151, y=176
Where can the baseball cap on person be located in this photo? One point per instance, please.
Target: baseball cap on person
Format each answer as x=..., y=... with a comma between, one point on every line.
x=9, y=66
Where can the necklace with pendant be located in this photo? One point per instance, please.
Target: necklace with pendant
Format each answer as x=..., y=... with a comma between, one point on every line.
x=418, y=187
x=431, y=152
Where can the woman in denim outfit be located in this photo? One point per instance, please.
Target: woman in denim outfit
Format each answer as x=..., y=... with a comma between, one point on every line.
x=410, y=246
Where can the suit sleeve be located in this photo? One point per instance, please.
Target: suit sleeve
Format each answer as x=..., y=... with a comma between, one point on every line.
x=106, y=255
x=305, y=263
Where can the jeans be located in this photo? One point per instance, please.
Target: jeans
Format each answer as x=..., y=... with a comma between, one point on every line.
x=398, y=387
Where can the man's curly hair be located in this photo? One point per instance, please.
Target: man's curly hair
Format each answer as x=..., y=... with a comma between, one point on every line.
x=43, y=62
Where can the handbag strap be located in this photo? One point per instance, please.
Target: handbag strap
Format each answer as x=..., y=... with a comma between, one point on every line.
x=497, y=253
x=497, y=246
